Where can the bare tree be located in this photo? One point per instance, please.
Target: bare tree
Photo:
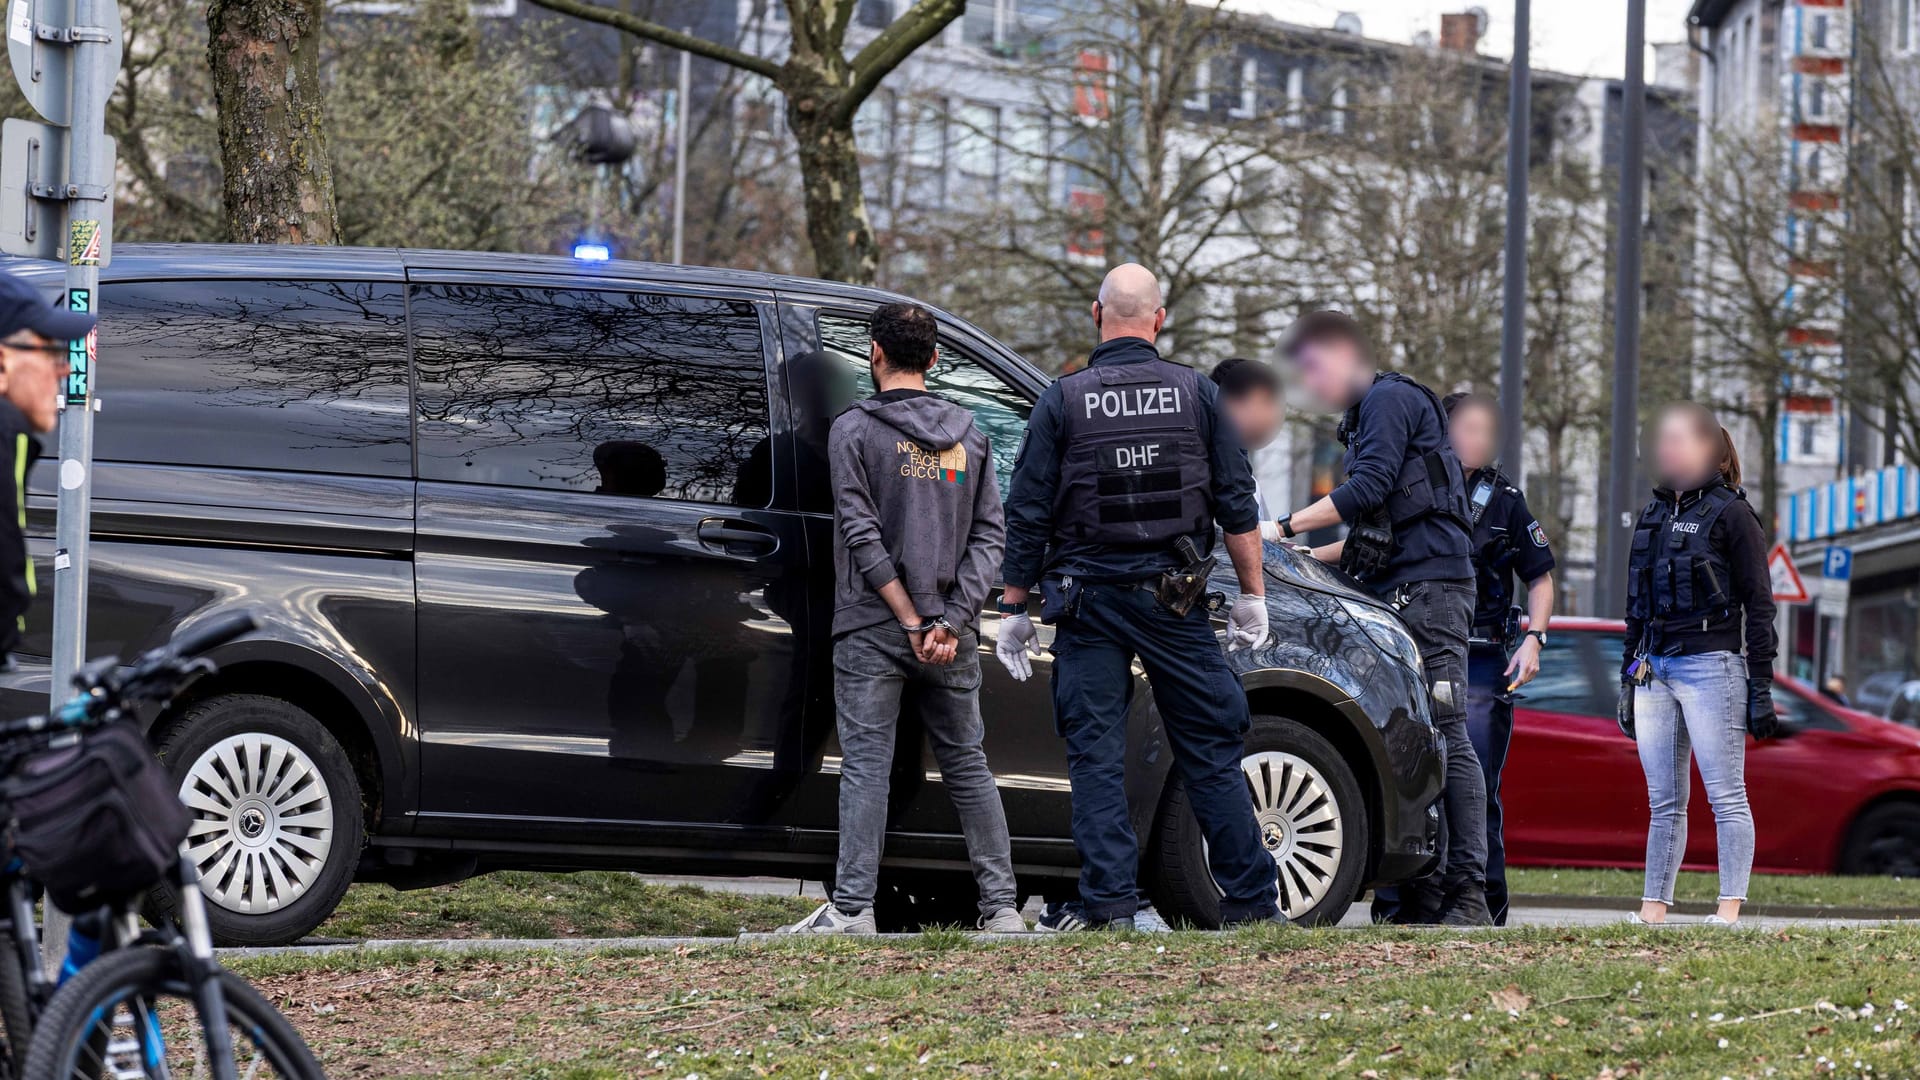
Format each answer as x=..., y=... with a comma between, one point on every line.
x=265, y=58
x=823, y=88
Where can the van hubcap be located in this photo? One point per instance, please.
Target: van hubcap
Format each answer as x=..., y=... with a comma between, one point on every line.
x=1300, y=826
x=262, y=822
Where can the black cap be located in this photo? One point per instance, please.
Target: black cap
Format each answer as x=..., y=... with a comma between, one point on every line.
x=23, y=308
x=1327, y=325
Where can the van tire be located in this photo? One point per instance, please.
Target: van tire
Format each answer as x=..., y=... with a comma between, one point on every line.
x=291, y=765
x=1306, y=764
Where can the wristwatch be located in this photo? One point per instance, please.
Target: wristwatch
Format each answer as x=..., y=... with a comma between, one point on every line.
x=1286, y=526
x=1538, y=635
x=1005, y=608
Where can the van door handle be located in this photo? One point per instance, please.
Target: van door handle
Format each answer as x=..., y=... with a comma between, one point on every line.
x=736, y=537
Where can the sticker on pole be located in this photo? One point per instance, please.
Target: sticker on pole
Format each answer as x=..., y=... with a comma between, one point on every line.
x=20, y=22
x=1787, y=586
x=83, y=243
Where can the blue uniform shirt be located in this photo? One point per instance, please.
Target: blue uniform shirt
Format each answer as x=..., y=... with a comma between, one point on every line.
x=1033, y=548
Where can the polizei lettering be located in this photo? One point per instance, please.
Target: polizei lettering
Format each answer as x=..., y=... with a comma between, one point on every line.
x=1141, y=401
x=1686, y=526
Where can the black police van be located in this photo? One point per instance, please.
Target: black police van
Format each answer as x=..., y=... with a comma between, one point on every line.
x=542, y=550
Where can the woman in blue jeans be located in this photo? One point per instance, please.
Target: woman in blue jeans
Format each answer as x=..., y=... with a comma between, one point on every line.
x=1698, y=593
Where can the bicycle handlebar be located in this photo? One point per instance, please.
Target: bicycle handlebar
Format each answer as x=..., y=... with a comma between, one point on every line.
x=211, y=634
x=157, y=674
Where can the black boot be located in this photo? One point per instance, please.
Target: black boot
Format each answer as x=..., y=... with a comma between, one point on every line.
x=1466, y=906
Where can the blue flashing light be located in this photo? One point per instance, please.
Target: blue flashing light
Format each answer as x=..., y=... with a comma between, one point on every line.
x=592, y=251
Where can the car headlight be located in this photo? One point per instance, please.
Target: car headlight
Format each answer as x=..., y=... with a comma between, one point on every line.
x=1387, y=633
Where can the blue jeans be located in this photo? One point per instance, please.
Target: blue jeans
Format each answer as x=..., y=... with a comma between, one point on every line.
x=873, y=670
x=1490, y=729
x=1204, y=714
x=1695, y=706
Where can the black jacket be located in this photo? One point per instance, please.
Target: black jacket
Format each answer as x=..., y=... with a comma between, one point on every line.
x=1394, y=422
x=1739, y=537
x=18, y=447
x=1507, y=541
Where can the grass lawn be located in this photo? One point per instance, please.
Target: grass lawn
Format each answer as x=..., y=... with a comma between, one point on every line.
x=1863, y=892
x=586, y=904
x=1606, y=1002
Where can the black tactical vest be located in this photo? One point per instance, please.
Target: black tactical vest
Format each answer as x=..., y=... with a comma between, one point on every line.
x=1675, y=576
x=1494, y=546
x=1134, y=471
x=1429, y=483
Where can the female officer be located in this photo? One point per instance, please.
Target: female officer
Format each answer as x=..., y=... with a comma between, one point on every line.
x=1696, y=576
x=1507, y=540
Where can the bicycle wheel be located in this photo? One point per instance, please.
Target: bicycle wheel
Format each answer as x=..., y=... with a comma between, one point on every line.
x=130, y=1014
x=16, y=1014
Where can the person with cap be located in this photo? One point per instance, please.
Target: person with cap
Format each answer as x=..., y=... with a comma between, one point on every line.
x=1127, y=466
x=34, y=337
x=1507, y=542
x=1404, y=503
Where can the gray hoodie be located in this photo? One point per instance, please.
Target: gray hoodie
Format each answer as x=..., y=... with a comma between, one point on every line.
x=914, y=498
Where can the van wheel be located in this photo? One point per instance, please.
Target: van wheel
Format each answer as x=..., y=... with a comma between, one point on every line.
x=1885, y=840
x=277, y=826
x=1312, y=820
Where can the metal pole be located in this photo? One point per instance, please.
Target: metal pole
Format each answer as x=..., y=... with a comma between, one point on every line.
x=1513, y=318
x=1610, y=575
x=680, y=111
x=89, y=180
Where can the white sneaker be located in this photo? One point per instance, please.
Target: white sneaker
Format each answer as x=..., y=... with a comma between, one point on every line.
x=827, y=919
x=1005, y=921
x=1716, y=920
x=1635, y=919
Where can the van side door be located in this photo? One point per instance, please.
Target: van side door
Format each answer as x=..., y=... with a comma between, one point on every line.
x=606, y=595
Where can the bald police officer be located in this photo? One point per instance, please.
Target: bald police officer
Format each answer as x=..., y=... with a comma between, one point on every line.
x=1123, y=460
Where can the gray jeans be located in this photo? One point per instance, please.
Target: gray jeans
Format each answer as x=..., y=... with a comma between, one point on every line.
x=1695, y=707
x=872, y=667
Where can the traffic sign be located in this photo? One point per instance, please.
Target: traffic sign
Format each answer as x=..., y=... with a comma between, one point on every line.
x=1787, y=586
x=40, y=39
x=1838, y=564
x=33, y=199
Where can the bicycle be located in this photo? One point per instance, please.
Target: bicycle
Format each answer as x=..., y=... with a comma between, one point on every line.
x=125, y=994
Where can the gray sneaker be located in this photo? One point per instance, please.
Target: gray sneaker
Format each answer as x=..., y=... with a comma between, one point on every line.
x=827, y=919
x=1005, y=921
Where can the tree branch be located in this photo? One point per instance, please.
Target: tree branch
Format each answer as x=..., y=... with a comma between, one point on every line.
x=917, y=26
x=652, y=31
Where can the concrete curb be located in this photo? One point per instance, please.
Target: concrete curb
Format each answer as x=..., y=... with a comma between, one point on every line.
x=1701, y=907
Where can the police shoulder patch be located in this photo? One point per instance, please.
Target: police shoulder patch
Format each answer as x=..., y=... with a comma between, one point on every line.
x=1539, y=534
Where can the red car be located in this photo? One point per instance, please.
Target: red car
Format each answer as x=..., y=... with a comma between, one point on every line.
x=1837, y=791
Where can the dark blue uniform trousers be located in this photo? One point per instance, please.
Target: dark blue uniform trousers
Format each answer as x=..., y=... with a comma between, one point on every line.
x=1490, y=728
x=1204, y=715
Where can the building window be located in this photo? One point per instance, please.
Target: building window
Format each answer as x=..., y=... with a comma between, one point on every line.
x=1296, y=96
x=1821, y=32
x=875, y=14
x=980, y=27
x=1337, y=121
x=1816, y=100
x=1247, y=101
x=1199, y=96
x=974, y=154
x=1903, y=12
x=926, y=156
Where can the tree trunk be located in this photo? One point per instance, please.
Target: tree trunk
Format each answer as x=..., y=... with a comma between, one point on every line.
x=837, y=226
x=265, y=59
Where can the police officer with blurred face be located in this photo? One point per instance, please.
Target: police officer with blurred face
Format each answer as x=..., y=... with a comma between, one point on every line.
x=1126, y=468
x=1404, y=503
x=1507, y=542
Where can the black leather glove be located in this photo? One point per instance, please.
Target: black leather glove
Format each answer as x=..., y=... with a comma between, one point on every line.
x=1368, y=546
x=1623, y=712
x=1762, y=721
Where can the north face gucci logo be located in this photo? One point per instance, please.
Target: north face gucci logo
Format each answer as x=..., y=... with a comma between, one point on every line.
x=949, y=465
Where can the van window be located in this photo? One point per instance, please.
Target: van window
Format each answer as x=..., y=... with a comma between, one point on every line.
x=1000, y=411
x=582, y=390
x=300, y=375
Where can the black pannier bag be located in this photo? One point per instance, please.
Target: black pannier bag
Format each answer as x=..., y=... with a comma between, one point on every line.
x=96, y=821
